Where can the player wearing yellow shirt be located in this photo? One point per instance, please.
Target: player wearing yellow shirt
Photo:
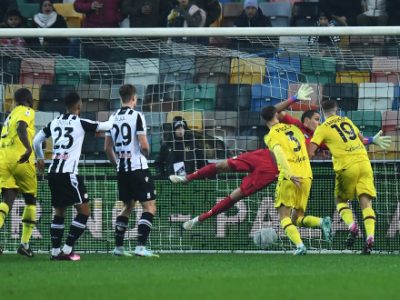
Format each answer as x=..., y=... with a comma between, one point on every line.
x=17, y=165
x=353, y=170
x=288, y=145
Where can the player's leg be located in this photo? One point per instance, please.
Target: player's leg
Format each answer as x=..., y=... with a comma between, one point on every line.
x=8, y=196
x=57, y=231
x=121, y=225
x=291, y=230
x=207, y=171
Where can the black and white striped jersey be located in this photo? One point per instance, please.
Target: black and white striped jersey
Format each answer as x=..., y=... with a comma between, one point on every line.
x=67, y=132
x=128, y=124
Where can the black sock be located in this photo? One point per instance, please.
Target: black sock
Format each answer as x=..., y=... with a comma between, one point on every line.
x=57, y=231
x=144, y=228
x=78, y=226
x=121, y=224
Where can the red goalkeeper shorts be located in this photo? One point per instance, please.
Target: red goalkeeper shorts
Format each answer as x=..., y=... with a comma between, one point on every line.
x=261, y=167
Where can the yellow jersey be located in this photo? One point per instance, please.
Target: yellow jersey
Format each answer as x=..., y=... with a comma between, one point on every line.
x=341, y=136
x=293, y=144
x=11, y=147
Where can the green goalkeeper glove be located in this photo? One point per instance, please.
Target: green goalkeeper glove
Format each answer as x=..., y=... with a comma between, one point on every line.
x=303, y=94
x=382, y=141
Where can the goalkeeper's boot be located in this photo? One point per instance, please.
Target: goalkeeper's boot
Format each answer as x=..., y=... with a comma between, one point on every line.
x=301, y=250
x=178, y=179
x=25, y=251
x=62, y=256
x=120, y=251
x=368, y=246
x=188, y=225
x=326, y=227
x=143, y=252
x=353, y=233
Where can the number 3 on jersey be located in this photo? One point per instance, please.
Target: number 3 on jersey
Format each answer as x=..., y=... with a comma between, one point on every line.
x=291, y=137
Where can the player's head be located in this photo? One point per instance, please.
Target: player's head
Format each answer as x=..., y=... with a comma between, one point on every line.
x=329, y=107
x=270, y=115
x=127, y=92
x=311, y=119
x=73, y=103
x=179, y=126
x=23, y=96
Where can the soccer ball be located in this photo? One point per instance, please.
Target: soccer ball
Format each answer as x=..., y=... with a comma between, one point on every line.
x=265, y=238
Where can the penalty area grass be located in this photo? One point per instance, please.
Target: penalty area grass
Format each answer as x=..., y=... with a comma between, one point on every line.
x=201, y=276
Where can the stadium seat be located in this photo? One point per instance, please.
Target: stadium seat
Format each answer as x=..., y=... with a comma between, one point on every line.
x=73, y=18
x=10, y=89
x=194, y=119
x=230, y=11
x=94, y=91
x=42, y=118
x=279, y=13
x=320, y=78
x=318, y=64
x=10, y=70
x=346, y=94
x=305, y=13
x=110, y=73
x=247, y=70
x=369, y=122
x=72, y=71
x=396, y=98
x=233, y=97
x=375, y=96
x=155, y=119
x=174, y=64
x=199, y=96
x=391, y=122
x=220, y=123
x=93, y=105
x=160, y=97
x=37, y=71
x=214, y=70
x=177, y=77
x=290, y=63
x=352, y=77
x=386, y=77
x=385, y=64
x=250, y=119
x=241, y=143
x=52, y=97
x=265, y=95
x=93, y=147
x=142, y=71
x=28, y=10
x=1, y=98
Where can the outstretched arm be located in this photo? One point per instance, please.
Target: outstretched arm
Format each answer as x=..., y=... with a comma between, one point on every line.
x=379, y=140
x=303, y=94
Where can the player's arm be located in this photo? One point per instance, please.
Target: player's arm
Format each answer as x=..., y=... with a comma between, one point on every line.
x=141, y=134
x=95, y=126
x=284, y=164
x=316, y=142
x=38, y=141
x=379, y=140
x=303, y=94
x=23, y=136
x=312, y=150
x=109, y=150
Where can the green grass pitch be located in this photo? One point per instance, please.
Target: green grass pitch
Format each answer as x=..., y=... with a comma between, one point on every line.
x=202, y=276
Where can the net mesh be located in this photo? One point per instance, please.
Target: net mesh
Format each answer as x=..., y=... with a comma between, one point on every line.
x=219, y=87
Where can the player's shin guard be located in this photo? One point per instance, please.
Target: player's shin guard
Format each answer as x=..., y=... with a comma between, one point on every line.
x=4, y=210
x=369, y=219
x=144, y=227
x=205, y=172
x=218, y=208
x=308, y=221
x=28, y=223
x=121, y=225
x=76, y=229
x=291, y=231
x=345, y=213
x=56, y=232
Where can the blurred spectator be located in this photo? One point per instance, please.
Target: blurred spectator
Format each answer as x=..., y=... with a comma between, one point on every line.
x=6, y=5
x=48, y=18
x=393, y=12
x=212, y=9
x=180, y=156
x=147, y=13
x=99, y=13
x=344, y=12
x=374, y=13
x=327, y=40
x=252, y=16
x=187, y=14
x=13, y=19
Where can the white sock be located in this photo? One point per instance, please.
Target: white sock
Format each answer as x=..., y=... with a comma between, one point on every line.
x=55, y=251
x=67, y=249
x=25, y=245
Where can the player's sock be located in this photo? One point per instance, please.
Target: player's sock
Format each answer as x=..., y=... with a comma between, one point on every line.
x=28, y=223
x=309, y=221
x=76, y=229
x=291, y=231
x=56, y=233
x=144, y=227
x=121, y=224
x=204, y=172
x=218, y=208
x=345, y=213
x=4, y=209
x=369, y=219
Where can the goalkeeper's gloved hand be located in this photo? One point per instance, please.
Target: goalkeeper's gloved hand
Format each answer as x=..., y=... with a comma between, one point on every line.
x=382, y=141
x=303, y=94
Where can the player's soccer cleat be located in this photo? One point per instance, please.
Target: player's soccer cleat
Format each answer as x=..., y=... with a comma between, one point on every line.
x=188, y=225
x=121, y=252
x=178, y=179
x=368, y=246
x=62, y=256
x=302, y=250
x=25, y=251
x=143, y=252
x=326, y=228
x=353, y=233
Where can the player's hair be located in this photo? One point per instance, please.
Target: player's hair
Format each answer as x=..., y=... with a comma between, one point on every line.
x=23, y=95
x=308, y=114
x=126, y=92
x=329, y=104
x=268, y=113
x=71, y=99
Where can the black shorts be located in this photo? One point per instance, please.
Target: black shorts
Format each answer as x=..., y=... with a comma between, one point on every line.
x=67, y=189
x=136, y=185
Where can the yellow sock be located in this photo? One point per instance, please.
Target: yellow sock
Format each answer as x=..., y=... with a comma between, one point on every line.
x=345, y=213
x=308, y=221
x=4, y=209
x=28, y=223
x=369, y=221
x=291, y=231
